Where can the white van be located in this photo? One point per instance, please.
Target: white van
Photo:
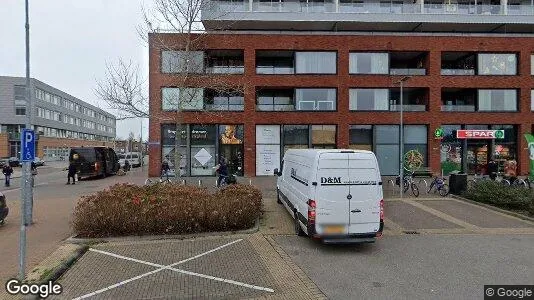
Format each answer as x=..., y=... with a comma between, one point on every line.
x=134, y=158
x=333, y=195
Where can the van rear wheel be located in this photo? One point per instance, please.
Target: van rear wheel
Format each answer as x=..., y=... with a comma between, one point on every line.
x=278, y=197
x=298, y=229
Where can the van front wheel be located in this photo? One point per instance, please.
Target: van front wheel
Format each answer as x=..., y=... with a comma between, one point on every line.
x=298, y=229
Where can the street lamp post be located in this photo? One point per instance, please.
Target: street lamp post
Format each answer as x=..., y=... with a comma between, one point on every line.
x=401, y=131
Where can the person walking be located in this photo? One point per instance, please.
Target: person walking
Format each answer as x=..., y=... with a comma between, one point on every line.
x=72, y=173
x=222, y=169
x=7, y=170
x=165, y=168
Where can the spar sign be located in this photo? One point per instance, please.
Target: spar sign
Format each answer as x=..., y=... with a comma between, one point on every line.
x=480, y=134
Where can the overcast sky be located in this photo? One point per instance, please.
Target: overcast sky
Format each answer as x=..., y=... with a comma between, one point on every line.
x=71, y=41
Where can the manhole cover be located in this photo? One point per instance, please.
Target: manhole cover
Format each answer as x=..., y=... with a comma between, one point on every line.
x=410, y=232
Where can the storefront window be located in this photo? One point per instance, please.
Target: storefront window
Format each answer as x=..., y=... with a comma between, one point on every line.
x=415, y=146
x=267, y=149
x=505, y=149
x=324, y=136
x=296, y=137
x=387, y=148
x=203, y=156
x=231, y=147
x=369, y=63
x=168, y=149
x=361, y=137
x=451, y=150
x=497, y=64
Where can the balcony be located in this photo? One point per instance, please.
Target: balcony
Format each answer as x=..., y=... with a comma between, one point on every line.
x=367, y=16
x=407, y=107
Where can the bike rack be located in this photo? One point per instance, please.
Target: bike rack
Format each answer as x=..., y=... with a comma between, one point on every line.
x=426, y=184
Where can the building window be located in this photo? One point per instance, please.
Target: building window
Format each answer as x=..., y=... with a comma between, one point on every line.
x=532, y=100
x=309, y=99
x=361, y=137
x=224, y=101
x=497, y=64
x=296, y=137
x=275, y=100
x=275, y=62
x=184, y=98
x=316, y=62
x=203, y=154
x=323, y=136
x=369, y=63
x=369, y=99
x=387, y=148
x=20, y=92
x=225, y=62
x=532, y=64
x=497, y=100
x=182, y=61
x=20, y=111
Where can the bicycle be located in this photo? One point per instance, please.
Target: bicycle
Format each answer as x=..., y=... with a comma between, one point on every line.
x=478, y=177
x=408, y=183
x=439, y=185
x=227, y=180
x=163, y=179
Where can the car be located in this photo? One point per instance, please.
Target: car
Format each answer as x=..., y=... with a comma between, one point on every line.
x=94, y=161
x=4, y=210
x=38, y=162
x=14, y=162
x=333, y=195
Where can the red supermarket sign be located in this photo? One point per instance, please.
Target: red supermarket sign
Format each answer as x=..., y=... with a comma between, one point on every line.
x=480, y=134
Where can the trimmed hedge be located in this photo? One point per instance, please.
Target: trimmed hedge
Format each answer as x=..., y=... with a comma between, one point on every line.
x=126, y=209
x=494, y=193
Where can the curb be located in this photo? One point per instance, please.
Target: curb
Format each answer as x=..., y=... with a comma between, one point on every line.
x=88, y=241
x=488, y=206
x=47, y=272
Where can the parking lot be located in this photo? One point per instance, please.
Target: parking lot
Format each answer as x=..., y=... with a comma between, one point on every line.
x=432, y=247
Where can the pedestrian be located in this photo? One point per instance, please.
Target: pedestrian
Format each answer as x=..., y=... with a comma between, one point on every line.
x=72, y=173
x=7, y=170
x=165, y=168
x=34, y=172
x=222, y=169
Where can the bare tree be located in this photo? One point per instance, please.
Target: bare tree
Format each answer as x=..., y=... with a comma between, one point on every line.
x=183, y=57
x=124, y=90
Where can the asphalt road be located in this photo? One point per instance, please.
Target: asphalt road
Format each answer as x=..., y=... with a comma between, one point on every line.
x=415, y=267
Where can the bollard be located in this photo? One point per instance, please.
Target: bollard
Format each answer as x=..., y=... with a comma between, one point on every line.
x=183, y=182
x=200, y=182
x=250, y=181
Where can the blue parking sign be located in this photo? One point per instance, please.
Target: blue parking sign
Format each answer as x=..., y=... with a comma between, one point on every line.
x=28, y=145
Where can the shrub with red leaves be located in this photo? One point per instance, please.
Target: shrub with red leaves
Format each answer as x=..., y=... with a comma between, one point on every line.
x=126, y=209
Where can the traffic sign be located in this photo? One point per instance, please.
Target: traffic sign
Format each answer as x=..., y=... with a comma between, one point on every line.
x=438, y=133
x=480, y=134
x=28, y=145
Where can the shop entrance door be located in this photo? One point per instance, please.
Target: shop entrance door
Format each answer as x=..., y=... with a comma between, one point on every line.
x=234, y=156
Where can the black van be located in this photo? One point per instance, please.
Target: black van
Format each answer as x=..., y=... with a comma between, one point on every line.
x=94, y=161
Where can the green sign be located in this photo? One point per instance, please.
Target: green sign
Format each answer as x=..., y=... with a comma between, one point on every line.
x=530, y=142
x=499, y=134
x=438, y=133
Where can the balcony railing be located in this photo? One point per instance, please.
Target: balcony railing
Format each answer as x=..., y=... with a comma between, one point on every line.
x=461, y=72
x=458, y=108
x=378, y=8
x=414, y=72
x=408, y=107
x=225, y=70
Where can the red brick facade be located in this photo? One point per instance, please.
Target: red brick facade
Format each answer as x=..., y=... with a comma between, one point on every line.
x=343, y=118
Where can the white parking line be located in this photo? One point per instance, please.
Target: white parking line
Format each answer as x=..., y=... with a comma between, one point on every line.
x=170, y=267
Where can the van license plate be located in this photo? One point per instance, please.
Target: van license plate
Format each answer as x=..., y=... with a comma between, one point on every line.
x=333, y=229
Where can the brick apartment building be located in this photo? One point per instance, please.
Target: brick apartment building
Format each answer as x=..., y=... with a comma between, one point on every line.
x=60, y=120
x=331, y=80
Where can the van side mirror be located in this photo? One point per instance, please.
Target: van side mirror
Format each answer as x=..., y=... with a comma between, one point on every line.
x=276, y=172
